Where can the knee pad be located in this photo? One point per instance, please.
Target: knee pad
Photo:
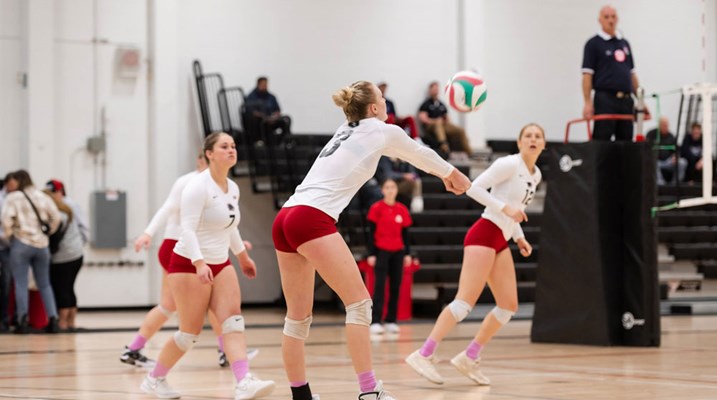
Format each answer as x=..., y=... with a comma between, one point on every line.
x=165, y=311
x=460, y=309
x=297, y=329
x=502, y=315
x=359, y=313
x=235, y=323
x=185, y=341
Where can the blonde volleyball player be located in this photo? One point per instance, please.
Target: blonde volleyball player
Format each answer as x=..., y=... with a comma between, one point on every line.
x=486, y=256
x=306, y=239
x=168, y=215
x=201, y=276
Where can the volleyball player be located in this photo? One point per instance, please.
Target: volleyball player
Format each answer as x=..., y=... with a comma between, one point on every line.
x=168, y=215
x=306, y=239
x=201, y=276
x=512, y=181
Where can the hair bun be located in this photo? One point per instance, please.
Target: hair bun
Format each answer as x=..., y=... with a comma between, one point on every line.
x=343, y=97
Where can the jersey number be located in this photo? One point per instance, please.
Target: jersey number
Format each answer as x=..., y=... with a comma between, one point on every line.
x=528, y=197
x=232, y=217
x=340, y=138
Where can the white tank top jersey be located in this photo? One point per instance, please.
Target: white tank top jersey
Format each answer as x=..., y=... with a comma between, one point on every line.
x=511, y=183
x=168, y=214
x=350, y=159
x=209, y=219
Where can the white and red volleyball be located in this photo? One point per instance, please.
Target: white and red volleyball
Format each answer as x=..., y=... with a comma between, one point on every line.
x=466, y=91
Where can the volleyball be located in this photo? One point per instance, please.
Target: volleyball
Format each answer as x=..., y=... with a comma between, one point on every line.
x=466, y=91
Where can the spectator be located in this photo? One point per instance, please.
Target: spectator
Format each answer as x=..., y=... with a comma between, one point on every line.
x=9, y=185
x=691, y=150
x=407, y=122
x=389, y=254
x=409, y=183
x=264, y=108
x=433, y=116
x=609, y=69
x=66, y=260
x=666, y=157
x=58, y=189
x=28, y=218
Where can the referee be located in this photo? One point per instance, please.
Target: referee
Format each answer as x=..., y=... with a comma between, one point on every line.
x=608, y=68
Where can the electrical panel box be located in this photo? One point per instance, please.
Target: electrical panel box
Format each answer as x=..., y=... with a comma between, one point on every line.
x=109, y=219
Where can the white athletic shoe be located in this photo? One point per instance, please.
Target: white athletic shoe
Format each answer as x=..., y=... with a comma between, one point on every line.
x=252, y=387
x=159, y=387
x=392, y=328
x=376, y=394
x=469, y=368
x=376, y=329
x=424, y=367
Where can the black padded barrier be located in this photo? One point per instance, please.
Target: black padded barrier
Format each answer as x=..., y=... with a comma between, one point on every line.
x=597, y=268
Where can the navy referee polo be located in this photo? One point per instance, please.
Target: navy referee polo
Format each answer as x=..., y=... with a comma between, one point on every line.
x=609, y=60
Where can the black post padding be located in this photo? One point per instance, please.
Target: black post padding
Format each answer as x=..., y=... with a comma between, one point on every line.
x=597, y=265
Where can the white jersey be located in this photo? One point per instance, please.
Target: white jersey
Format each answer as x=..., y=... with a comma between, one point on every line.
x=168, y=214
x=511, y=183
x=350, y=159
x=209, y=219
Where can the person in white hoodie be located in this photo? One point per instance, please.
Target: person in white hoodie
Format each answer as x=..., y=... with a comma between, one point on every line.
x=512, y=181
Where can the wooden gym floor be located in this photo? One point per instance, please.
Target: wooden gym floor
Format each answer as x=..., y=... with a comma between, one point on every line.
x=86, y=366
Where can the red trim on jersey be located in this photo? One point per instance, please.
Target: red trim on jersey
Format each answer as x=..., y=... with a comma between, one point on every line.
x=165, y=253
x=294, y=226
x=183, y=265
x=487, y=234
x=390, y=221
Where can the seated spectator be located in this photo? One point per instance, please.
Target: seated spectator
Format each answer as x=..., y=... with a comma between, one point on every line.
x=691, y=150
x=409, y=183
x=264, y=108
x=28, y=218
x=434, y=119
x=407, y=122
x=666, y=158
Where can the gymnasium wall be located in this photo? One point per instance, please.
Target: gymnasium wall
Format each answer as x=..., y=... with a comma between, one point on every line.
x=531, y=54
x=529, y=51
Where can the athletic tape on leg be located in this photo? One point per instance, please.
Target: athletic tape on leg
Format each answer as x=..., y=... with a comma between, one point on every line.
x=460, y=309
x=185, y=341
x=235, y=323
x=359, y=313
x=297, y=329
x=502, y=315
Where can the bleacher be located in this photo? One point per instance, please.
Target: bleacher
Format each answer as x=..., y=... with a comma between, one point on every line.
x=275, y=164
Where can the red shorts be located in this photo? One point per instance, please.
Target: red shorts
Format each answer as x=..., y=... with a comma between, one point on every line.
x=165, y=252
x=294, y=226
x=485, y=233
x=183, y=265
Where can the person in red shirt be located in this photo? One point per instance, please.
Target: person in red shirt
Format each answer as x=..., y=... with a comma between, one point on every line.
x=389, y=253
